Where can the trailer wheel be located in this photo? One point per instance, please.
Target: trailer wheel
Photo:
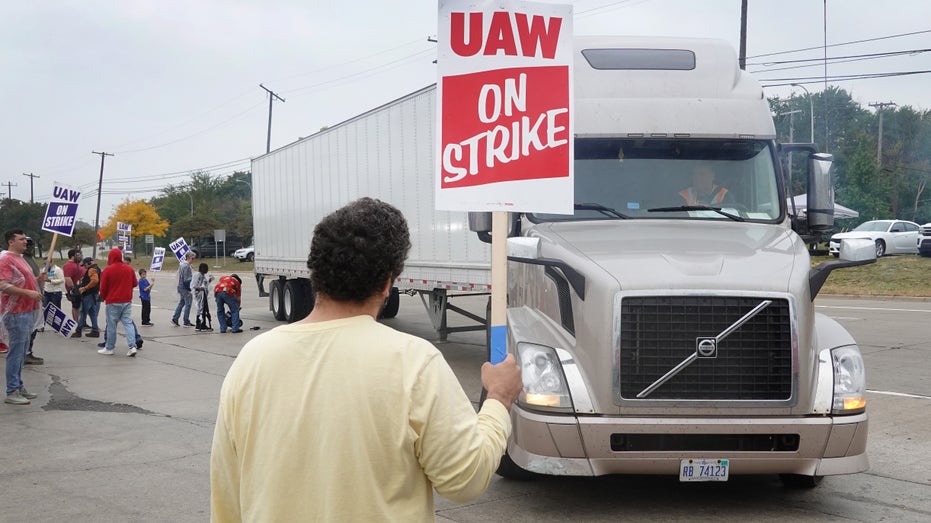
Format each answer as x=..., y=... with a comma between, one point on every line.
x=297, y=300
x=275, y=300
x=392, y=304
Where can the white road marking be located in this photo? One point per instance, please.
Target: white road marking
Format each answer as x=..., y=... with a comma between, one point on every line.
x=927, y=311
x=900, y=394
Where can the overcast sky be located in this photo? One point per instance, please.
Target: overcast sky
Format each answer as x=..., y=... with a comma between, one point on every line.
x=172, y=86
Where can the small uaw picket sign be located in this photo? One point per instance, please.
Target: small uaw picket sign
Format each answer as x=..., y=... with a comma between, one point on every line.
x=179, y=247
x=60, y=214
x=158, y=258
x=504, y=139
x=124, y=236
x=59, y=321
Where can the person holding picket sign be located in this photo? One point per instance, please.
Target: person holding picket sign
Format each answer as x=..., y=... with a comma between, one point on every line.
x=19, y=307
x=411, y=429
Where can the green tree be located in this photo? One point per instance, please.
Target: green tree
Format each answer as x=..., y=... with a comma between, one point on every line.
x=16, y=214
x=196, y=208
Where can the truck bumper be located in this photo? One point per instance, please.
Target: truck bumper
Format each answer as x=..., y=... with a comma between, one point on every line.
x=564, y=445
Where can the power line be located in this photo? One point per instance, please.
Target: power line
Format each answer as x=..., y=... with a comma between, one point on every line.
x=834, y=62
x=355, y=60
x=184, y=122
x=837, y=78
x=228, y=120
x=86, y=191
x=360, y=74
x=841, y=44
x=607, y=7
x=887, y=53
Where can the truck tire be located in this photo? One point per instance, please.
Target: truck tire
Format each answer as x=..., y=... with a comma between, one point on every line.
x=507, y=469
x=275, y=299
x=297, y=300
x=799, y=481
x=392, y=305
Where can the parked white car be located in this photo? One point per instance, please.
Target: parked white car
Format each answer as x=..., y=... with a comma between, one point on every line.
x=890, y=236
x=245, y=254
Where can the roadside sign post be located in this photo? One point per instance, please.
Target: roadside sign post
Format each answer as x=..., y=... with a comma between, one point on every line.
x=219, y=236
x=504, y=129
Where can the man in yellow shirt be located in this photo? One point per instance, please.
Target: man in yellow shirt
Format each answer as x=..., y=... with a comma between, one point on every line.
x=340, y=418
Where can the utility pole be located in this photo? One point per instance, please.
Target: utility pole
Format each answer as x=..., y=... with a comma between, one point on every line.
x=742, y=59
x=9, y=190
x=824, y=94
x=791, y=140
x=271, y=98
x=879, y=146
x=99, y=191
x=32, y=178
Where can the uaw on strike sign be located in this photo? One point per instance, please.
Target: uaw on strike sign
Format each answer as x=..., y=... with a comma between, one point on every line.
x=505, y=96
x=62, y=210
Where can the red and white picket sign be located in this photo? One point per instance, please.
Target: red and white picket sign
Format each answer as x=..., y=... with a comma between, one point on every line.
x=505, y=96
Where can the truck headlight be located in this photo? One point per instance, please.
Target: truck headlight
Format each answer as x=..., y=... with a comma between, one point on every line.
x=542, y=374
x=849, y=381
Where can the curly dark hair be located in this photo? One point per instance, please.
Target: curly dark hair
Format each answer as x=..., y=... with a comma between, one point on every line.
x=356, y=249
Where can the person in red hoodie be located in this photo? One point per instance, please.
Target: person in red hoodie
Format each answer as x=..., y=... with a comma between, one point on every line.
x=116, y=289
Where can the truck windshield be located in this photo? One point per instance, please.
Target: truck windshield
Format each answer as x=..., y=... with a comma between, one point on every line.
x=718, y=179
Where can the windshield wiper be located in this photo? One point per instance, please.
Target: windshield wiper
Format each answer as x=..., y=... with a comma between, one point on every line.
x=698, y=208
x=600, y=208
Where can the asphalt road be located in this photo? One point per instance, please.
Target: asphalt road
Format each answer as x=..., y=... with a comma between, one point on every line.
x=119, y=439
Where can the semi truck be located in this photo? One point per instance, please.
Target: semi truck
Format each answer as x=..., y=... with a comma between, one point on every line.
x=658, y=331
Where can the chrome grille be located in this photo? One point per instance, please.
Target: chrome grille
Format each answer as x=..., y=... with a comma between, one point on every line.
x=659, y=332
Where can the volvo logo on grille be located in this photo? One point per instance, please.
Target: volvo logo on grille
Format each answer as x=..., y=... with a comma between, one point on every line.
x=706, y=347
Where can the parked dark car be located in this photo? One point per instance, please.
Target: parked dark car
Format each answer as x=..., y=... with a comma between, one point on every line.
x=207, y=248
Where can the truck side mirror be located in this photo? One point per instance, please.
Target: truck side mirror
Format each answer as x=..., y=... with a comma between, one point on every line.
x=480, y=221
x=480, y=224
x=820, y=193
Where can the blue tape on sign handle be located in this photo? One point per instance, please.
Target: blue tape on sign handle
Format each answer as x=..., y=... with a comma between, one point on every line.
x=499, y=343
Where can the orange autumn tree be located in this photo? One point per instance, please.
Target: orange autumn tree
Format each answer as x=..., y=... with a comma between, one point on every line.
x=142, y=216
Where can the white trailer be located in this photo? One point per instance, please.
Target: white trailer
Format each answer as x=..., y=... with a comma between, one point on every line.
x=386, y=153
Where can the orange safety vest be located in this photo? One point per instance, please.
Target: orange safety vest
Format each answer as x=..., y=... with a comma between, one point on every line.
x=691, y=198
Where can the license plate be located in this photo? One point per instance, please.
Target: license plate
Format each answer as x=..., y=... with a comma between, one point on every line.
x=703, y=469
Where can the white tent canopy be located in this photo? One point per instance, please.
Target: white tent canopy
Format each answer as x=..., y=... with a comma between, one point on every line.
x=801, y=205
